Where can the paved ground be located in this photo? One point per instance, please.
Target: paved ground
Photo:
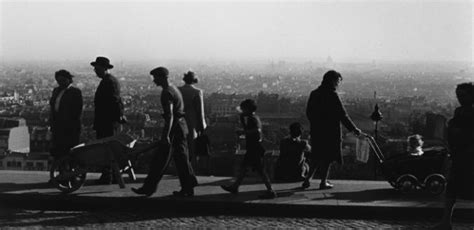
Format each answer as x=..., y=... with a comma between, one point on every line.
x=109, y=219
x=26, y=200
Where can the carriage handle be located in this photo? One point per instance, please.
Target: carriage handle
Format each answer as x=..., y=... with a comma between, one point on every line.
x=375, y=147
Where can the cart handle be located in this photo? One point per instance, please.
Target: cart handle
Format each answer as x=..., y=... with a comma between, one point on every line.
x=375, y=147
x=155, y=144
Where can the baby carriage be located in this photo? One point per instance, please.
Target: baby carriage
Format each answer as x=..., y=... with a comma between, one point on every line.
x=407, y=173
x=68, y=173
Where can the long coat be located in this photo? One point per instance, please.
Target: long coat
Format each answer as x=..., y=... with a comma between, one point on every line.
x=193, y=108
x=66, y=121
x=325, y=113
x=460, y=140
x=108, y=104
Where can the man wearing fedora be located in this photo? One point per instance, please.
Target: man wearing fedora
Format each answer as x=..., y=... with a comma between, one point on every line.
x=193, y=110
x=108, y=113
x=173, y=137
x=65, y=114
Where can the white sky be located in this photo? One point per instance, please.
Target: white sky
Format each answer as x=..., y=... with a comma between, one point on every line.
x=130, y=30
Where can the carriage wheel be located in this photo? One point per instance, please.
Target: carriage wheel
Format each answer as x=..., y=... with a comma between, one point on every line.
x=66, y=176
x=435, y=183
x=407, y=183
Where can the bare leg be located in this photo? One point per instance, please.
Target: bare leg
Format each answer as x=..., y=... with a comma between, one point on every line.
x=324, y=171
x=265, y=179
x=312, y=170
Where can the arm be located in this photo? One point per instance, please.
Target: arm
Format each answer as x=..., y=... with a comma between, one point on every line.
x=77, y=109
x=113, y=96
x=307, y=149
x=283, y=149
x=51, y=107
x=344, y=118
x=310, y=107
x=200, y=111
x=167, y=116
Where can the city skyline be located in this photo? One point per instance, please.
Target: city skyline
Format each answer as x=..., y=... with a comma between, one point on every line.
x=430, y=31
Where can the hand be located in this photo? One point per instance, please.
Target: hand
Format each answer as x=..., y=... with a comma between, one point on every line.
x=357, y=131
x=165, y=140
x=200, y=132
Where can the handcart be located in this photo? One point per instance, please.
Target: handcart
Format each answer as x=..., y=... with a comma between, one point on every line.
x=408, y=173
x=68, y=173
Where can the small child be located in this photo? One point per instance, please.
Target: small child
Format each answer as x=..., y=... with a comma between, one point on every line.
x=291, y=164
x=415, y=144
x=254, y=155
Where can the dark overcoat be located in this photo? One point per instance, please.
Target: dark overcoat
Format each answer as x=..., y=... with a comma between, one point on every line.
x=108, y=104
x=325, y=113
x=461, y=142
x=65, y=123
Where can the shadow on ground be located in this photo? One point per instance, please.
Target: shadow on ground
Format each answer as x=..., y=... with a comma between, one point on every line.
x=382, y=195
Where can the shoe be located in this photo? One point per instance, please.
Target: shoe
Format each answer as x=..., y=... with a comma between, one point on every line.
x=268, y=195
x=143, y=191
x=184, y=193
x=230, y=188
x=305, y=184
x=326, y=185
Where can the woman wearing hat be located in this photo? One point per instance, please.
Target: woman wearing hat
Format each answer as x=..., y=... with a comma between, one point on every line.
x=65, y=114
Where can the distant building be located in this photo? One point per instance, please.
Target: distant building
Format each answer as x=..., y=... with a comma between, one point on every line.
x=14, y=135
x=40, y=139
x=15, y=146
x=21, y=161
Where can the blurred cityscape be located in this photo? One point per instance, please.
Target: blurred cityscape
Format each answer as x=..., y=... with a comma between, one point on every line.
x=413, y=98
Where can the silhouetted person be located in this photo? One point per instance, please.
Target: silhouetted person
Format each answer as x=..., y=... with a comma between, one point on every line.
x=255, y=152
x=193, y=111
x=291, y=164
x=108, y=113
x=461, y=142
x=325, y=113
x=65, y=114
x=174, y=136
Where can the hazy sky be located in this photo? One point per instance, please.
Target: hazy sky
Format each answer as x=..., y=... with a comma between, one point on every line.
x=130, y=30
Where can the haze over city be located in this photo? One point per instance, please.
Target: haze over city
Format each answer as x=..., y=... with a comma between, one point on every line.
x=242, y=30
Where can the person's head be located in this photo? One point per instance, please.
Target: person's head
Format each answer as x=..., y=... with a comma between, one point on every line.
x=160, y=76
x=465, y=93
x=248, y=106
x=415, y=141
x=296, y=130
x=190, y=78
x=331, y=79
x=101, y=66
x=63, y=78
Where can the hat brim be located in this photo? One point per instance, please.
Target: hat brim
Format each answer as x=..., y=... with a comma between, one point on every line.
x=189, y=77
x=97, y=64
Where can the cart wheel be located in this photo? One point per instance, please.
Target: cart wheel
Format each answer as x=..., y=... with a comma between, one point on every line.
x=65, y=176
x=435, y=183
x=407, y=183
